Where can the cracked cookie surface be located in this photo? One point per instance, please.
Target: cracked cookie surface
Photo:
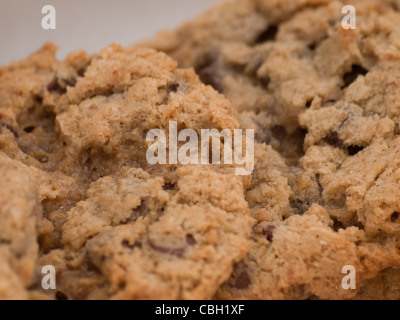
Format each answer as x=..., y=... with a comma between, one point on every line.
x=19, y=214
x=113, y=225
x=325, y=102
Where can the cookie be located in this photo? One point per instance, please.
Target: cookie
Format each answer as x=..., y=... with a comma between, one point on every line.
x=323, y=195
x=323, y=103
x=385, y=286
x=272, y=269
x=113, y=225
x=135, y=238
x=104, y=119
x=19, y=214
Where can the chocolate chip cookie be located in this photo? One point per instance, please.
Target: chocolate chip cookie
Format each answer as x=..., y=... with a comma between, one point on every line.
x=73, y=152
x=323, y=101
x=80, y=195
x=20, y=212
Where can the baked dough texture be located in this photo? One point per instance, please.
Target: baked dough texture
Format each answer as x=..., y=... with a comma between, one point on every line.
x=324, y=103
x=79, y=194
x=77, y=191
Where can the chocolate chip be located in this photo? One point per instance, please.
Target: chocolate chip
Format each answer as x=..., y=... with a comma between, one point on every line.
x=394, y=217
x=210, y=76
x=29, y=129
x=242, y=281
x=352, y=76
x=333, y=139
x=9, y=128
x=53, y=86
x=168, y=186
x=126, y=244
x=353, y=150
x=38, y=99
x=269, y=232
x=190, y=240
x=268, y=35
x=81, y=72
x=309, y=103
x=172, y=88
x=208, y=70
x=61, y=296
x=312, y=46
x=162, y=249
x=265, y=81
x=60, y=85
x=122, y=285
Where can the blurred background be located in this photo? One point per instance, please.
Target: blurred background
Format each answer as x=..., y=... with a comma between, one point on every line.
x=88, y=24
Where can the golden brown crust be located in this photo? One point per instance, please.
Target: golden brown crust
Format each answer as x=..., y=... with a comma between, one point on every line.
x=325, y=99
x=112, y=230
x=323, y=102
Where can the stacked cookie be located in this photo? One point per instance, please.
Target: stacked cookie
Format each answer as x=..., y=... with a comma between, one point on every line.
x=79, y=193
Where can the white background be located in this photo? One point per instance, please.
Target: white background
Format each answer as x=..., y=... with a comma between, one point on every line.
x=88, y=24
